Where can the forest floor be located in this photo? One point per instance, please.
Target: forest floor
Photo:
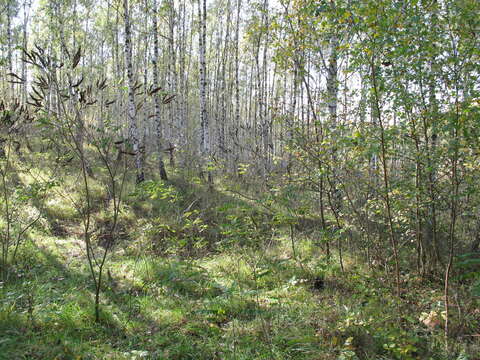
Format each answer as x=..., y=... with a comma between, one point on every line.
x=239, y=303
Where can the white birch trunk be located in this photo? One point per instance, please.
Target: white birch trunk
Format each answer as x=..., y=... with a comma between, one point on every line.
x=9, y=44
x=133, y=129
x=158, y=121
x=205, y=134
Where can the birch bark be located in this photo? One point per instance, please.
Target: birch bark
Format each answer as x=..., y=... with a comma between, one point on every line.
x=158, y=121
x=131, y=113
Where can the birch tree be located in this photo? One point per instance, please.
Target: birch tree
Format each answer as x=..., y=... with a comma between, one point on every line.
x=133, y=136
x=204, y=123
x=158, y=123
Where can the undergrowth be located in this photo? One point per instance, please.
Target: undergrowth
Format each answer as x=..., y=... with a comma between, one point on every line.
x=202, y=274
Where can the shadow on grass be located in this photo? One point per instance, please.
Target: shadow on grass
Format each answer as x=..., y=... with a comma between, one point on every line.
x=176, y=312
x=194, y=220
x=47, y=313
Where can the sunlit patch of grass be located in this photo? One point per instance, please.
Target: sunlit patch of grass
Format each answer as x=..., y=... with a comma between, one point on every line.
x=228, y=268
x=179, y=277
x=166, y=317
x=59, y=208
x=34, y=175
x=97, y=190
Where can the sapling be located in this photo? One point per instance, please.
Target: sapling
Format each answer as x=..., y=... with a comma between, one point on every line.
x=87, y=144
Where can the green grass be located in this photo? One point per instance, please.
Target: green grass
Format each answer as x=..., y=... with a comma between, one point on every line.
x=249, y=302
x=260, y=305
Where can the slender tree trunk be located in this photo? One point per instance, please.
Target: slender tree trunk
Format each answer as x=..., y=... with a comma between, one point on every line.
x=386, y=180
x=454, y=192
x=332, y=81
x=158, y=122
x=205, y=133
x=172, y=73
x=132, y=111
x=26, y=10
x=332, y=99
x=9, y=43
